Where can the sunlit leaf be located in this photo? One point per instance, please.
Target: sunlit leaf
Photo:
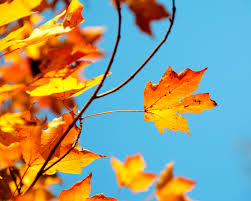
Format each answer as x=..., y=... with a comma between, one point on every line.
x=72, y=17
x=63, y=88
x=172, y=188
x=16, y=9
x=173, y=94
x=80, y=192
x=131, y=175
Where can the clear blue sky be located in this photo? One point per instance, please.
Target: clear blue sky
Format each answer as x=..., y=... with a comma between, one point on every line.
x=214, y=34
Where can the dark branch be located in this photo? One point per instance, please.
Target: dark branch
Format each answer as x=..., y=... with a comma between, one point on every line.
x=72, y=147
x=14, y=179
x=148, y=58
x=91, y=99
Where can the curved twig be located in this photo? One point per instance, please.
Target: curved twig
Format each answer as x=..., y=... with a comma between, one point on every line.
x=148, y=58
x=91, y=99
x=72, y=147
x=109, y=112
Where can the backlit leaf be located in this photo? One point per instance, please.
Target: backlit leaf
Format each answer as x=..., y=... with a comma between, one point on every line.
x=131, y=175
x=72, y=17
x=145, y=12
x=63, y=88
x=16, y=9
x=172, y=188
x=80, y=192
x=173, y=94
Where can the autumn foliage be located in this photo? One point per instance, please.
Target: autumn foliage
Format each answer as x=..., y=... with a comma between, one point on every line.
x=41, y=70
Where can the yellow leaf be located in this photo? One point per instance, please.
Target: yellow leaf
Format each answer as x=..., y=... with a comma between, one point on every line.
x=80, y=192
x=74, y=161
x=63, y=88
x=131, y=175
x=72, y=17
x=16, y=9
x=170, y=188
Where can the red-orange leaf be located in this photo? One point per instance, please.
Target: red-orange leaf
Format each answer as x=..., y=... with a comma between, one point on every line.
x=145, y=12
x=80, y=192
x=172, y=188
x=173, y=94
x=131, y=175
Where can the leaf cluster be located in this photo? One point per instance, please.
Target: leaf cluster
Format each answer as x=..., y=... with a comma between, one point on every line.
x=41, y=70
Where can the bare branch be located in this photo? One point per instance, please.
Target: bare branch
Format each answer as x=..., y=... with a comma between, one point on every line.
x=148, y=58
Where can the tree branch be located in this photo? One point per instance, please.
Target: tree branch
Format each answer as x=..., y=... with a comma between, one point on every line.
x=148, y=58
x=14, y=180
x=72, y=147
x=91, y=99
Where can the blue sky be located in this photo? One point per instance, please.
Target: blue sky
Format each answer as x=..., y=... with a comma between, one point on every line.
x=214, y=34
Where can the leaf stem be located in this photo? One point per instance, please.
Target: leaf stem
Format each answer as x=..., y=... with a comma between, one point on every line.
x=91, y=99
x=148, y=58
x=108, y=112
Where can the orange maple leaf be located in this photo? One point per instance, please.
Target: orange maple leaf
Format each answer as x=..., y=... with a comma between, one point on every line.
x=145, y=12
x=170, y=188
x=131, y=175
x=173, y=94
x=80, y=192
x=36, y=145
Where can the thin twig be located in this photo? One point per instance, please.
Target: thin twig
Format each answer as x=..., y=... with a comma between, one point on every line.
x=148, y=58
x=14, y=179
x=91, y=99
x=20, y=183
x=108, y=112
x=72, y=147
x=75, y=142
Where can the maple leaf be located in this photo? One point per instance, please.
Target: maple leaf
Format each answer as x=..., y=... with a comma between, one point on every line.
x=62, y=88
x=72, y=163
x=16, y=9
x=88, y=35
x=80, y=192
x=83, y=40
x=36, y=145
x=172, y=188
x=131, y=175
x=173, y=94
x=72, y=17
x=57, y=62
x=145, y=12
